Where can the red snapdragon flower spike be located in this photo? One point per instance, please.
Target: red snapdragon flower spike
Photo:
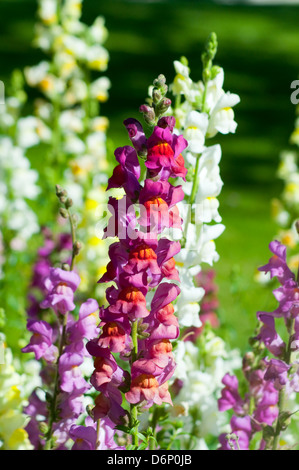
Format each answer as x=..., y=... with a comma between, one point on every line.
x=139, y=261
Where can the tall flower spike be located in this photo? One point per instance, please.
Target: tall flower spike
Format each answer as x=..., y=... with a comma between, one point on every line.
x=142, y=258
x=66, y=119
x=271, y=381
x=60, y=343
x=202, y=110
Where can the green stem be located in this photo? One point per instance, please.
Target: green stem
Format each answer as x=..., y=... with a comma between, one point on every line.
x=282, y=395
x=133, y=408
x=195, y=181
x=73, y=234
x=98, y=433
x=53, y=405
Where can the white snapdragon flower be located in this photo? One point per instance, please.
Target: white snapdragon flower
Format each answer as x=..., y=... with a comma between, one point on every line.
x=183, y=85
x=291, y=190
x=82, y=166
x=207, y=210
x=73, y=144
x=31, y=131
x=294, y=139
x=47, y=11
x=287, y=165
x=186, y=356
x=24, y=183
x=200, y=246
x=36, y=74
x=99, y=89
x=72, y=9
x=97, y=58
x=76, y=92
x=98, y=31
x=209, y=180
x=220, y=103
x=187, y=305
x=222, y=115
x=195, y=129
x=66, y=63
x=99, y=124
x=75, y=46
x=72, y=120
x=43, y=109
x=201, y=367
x=96, y=144
x=23, y=220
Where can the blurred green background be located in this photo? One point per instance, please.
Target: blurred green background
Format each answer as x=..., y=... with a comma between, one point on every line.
x=259, y=51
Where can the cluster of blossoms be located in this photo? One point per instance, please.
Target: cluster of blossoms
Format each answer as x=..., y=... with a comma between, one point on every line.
x=58, y=340
x=67, y=111
x=201, y=363
x=18, y=180
x=61, y=346
x=65, y=126
x=202, y=109
x=271, y=369
x=285, y=209
x=139, y=321
x=55, y=250
x=14, y=388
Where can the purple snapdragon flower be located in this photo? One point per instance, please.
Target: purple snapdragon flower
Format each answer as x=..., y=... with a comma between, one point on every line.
x=61, y=286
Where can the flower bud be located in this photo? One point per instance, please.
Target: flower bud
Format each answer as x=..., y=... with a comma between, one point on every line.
x=77, y=247
x=64, y=213
x=65, y=267
x=68, y=203
x=268, y=433
x=89, y=410
x=60, y=192
x=148, y=114
x=163, y=106
x=157, y=96
x=43, y=427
